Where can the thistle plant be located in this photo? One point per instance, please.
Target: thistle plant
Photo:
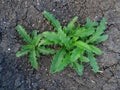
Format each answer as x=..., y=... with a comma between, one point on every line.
x=34, y=46
x=76, y=43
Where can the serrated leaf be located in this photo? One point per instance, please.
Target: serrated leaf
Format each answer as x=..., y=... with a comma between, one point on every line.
x=100, y=30
x=64, y=39
x=71, y=25
x=57, y=59
x=102, y=38
x=76, y=53
x=34, y=33
x=52, y=36
x=33, y=59
x=95, y=49
x=28, y=47
x=93, y=62
x=83, y=45
x=44, y=50
x=37, y=53
x=72, y=22
x=64, y=63
x=93, y=39
x=102, y=24
x=84, y=59
x=36, y=40
x=84, y=32
x=45, y=42
x=79, y=68
x=52, y=19
x=23, y=34
x=90, y=24
x=22, y=53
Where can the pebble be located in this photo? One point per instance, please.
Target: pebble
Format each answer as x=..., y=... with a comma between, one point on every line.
x=34, y=85
x=9, y=49
x=17, y=82
x=107, y=73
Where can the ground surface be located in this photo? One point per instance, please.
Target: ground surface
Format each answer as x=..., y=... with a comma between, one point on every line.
x=17, y=74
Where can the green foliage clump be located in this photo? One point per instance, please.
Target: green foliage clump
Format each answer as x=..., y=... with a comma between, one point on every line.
x=35, y=46
x=77, y=43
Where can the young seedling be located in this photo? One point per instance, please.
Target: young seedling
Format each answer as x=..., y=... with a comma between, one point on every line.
x=34, y=46
x=77, y=43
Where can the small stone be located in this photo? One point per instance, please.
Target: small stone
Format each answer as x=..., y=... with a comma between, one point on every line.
x=17, y=82
x=34, y=85
x=9, y=49
x=92, y=81
x=107, y=73
x=53, y=10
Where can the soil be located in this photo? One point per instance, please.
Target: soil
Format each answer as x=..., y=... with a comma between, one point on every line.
x=17, y=73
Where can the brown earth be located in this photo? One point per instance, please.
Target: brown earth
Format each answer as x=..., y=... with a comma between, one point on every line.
x=17, y=73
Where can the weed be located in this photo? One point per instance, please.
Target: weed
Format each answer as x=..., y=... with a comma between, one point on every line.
x=35, y=46
x=77, y=43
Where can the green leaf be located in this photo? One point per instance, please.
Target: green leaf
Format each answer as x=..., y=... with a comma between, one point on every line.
x=44, y=50
x=102, y=24
x=71, y=25
x=76, y=53
x=93, y=38
x=22, y=53
x=84, y=59
x=83, y=45
x=72, y=22
x=37, y=53
x=100, y=30
x=64, y=63
x=52, y=19
x=57, y=59
x=28, y=47
x=23, y=34
x=45, y=42
x=102, y=38
x=93, y=62
x=84, y=32
x=64, y=39
x=34, y=33
x=52, y=36
x=33, y=59
x=90, y=24
x=79, y=68
x=95, y=49
x=36, y=40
